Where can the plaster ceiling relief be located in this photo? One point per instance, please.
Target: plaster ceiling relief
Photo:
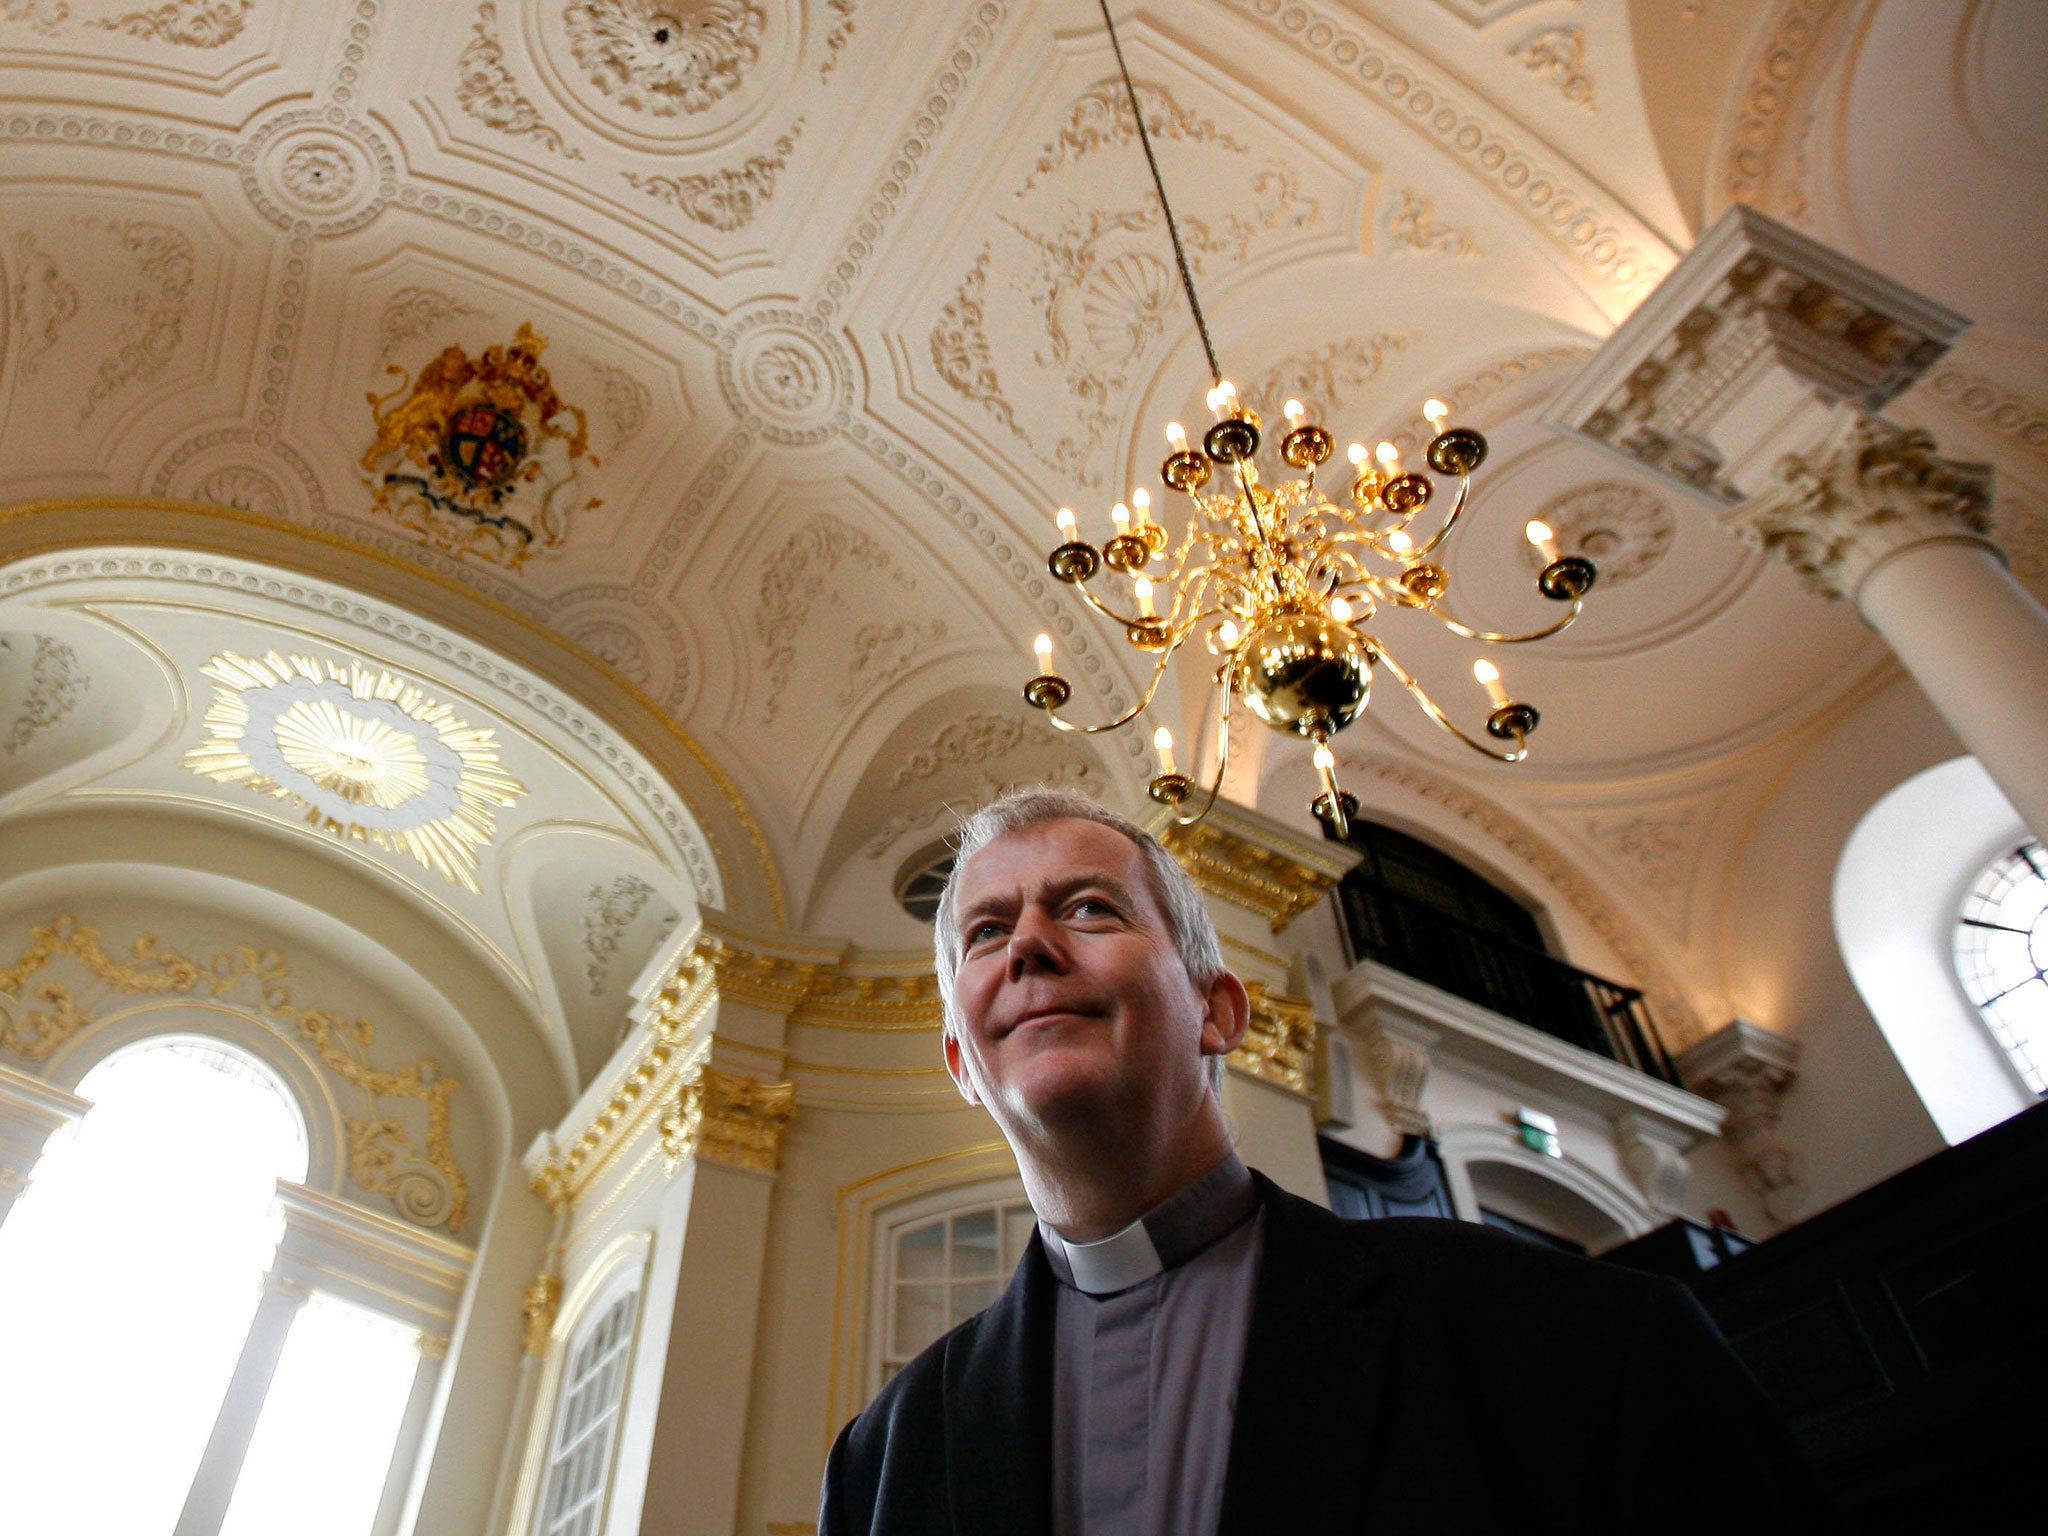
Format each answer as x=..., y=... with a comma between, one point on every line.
x=1409, y=226
x=1328, y=376
x=1557, y=56
x=199, y=25
x=2022, y=532
x=104, y=307
x=1062, y=308
x=1623, y=528
x=826, y=561
x=480, y=457
x=364, y=754
x=42, y=681
x=786, y=372
x=316, y=172
x=487, y=90
x=665, y=57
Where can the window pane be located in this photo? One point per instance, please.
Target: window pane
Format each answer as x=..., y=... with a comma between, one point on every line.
x=317, y=1464
x=921, y=1255
x=974, y=1245
x=920, y=1318
x=130, y=1271
x=584, y=1429
x=2002, y=957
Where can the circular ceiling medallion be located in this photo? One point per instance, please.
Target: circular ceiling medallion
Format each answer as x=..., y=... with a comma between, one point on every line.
x=367, y=755
x=318, y=172
x=795, y=381
x=665, y=57
x=1623, y=529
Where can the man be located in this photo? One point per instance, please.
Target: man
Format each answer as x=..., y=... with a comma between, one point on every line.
x=1185, y=1349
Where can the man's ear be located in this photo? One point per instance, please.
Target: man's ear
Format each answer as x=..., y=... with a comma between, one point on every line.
x=1227, y=1015
x=956, y=1068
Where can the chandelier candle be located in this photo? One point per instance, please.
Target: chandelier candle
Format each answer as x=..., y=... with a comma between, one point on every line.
x=1286, y=585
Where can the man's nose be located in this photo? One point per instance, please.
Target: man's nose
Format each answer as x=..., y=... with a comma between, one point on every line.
x=1034, y=945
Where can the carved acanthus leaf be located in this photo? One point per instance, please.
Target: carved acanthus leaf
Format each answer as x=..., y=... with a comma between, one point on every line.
x=1558, y=54
x=724, y=200
x=488, y=93
x=793, y=581
x=970, y=740
x=55, y=682
x=1869, y=491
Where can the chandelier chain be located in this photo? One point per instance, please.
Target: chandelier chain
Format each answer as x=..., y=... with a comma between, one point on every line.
x=1180, y=255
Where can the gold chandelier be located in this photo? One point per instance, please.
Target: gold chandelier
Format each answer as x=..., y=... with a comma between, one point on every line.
x=1279, y=581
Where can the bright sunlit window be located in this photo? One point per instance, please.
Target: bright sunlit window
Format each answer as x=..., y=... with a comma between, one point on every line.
x=317, y=1464
x=2002, y=957
x=129, y=1273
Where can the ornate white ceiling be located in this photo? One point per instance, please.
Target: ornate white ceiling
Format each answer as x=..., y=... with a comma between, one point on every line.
x=830, y=303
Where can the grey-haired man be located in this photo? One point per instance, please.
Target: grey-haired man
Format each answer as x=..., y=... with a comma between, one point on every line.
x=1185, y=1349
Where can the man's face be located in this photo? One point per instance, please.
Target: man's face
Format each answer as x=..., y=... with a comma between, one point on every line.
x=1071, y=999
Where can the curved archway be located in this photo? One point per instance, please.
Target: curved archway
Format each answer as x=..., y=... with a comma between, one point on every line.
x=1489, y=1169
x=1899, y=888
x=752, y=886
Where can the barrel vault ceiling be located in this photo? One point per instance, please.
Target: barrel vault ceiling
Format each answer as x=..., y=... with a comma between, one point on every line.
x=836, y=300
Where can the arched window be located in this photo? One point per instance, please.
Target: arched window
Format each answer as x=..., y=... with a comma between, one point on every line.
x=944, y=1268
x=593, y=1385
x=2002, y=957
x=130, y=1272
x=246, y=1385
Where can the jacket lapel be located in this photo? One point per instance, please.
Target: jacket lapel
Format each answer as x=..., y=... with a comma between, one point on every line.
x=999, y=1409
x=1313, y=1394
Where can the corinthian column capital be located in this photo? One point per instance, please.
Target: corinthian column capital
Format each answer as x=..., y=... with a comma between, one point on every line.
x=1868, y=491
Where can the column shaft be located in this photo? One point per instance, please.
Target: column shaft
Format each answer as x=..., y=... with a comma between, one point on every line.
x=1977, y=643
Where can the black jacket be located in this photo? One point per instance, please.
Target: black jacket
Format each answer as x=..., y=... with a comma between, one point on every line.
x=1401, y=1376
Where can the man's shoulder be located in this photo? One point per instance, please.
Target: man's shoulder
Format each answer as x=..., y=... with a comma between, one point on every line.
x=915, y=1393
x=1462, y=1267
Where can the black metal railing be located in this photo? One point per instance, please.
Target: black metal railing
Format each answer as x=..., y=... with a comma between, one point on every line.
x=1512, y=979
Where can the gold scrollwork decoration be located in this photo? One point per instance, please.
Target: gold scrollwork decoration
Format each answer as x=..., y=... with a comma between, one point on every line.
x=724, y=1117
x=539, y=1302
x=425, y=1183
x=1280, y=1045
x=1221, y=863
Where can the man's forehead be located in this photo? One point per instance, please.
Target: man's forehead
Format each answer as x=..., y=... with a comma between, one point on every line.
x=1047, y=853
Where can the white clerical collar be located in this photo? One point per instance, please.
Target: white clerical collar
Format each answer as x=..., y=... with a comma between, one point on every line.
x=1169, y=1234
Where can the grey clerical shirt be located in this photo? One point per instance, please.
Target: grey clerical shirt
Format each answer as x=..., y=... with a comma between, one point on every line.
x=1149, y=1338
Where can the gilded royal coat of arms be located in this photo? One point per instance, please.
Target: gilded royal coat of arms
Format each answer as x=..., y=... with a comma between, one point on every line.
x=480, y=456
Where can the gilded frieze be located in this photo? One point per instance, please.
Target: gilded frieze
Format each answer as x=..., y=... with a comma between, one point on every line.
x=40, y=1012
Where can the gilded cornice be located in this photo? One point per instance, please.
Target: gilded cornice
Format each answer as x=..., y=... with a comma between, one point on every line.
x=872, y=1002
x=668, y=1052
x=1280, y=1044
x=725, y=1117
x=1277, y=886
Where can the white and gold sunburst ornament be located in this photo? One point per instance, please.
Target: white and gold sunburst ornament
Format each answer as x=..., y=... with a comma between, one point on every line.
x=368, y=756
